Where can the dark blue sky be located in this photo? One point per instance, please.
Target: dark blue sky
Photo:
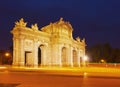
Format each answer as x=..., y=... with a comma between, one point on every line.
x=96, y=20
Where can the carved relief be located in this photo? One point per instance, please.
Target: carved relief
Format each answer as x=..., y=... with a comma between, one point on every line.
x=28, y=43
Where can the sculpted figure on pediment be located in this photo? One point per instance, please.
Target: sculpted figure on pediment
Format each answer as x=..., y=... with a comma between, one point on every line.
x=78, y=39
x=34, y=27
x=20, y=23
x=83, y=40
x=61, y=21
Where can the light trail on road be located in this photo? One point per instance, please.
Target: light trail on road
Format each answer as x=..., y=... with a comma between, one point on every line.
x=52, y=79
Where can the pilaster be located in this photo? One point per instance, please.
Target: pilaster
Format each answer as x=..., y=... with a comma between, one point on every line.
x=78, y=57
x=59, y=56
x=71, y=56
x=21, y=52
x=15, y=51
x=35, y=52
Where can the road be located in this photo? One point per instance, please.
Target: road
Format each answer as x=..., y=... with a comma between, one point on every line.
x=46, y=79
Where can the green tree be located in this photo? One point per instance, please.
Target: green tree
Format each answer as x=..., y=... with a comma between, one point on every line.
x=104, y=51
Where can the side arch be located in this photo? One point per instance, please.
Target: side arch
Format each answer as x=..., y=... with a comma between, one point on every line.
x=64, y=56
x=75, y=58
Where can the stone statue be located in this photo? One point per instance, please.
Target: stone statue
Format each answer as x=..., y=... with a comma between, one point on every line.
x=83, y=40
x=20, y=23
x=34, y=27
x=61, y=21
x=78, y=39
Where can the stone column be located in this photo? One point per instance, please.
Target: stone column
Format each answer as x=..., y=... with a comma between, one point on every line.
x=81, y=58
x=21, y=51
x=71, y=56
x=78, y=57
x=67, y=55
x=41, y=48
x=48, y=56
x=59, y=56
x=44, y=55
x=54, y=54
x=35, y=53
x=15, y=51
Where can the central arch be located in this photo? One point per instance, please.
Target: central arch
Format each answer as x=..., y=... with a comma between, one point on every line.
x=41, y=54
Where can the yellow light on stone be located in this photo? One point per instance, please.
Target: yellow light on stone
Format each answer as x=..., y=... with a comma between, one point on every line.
x=52, y=45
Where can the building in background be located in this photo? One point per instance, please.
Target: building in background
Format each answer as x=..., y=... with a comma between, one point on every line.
x=52, y=45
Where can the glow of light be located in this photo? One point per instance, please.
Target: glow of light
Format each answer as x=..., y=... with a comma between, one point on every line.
x=85, y=74
x=102, y=61
x=1, y=67
x=7, y=54
x=85, y=58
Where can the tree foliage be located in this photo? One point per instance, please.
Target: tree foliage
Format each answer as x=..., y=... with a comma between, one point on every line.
x=105, y=52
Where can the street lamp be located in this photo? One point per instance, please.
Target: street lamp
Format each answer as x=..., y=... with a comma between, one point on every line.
x=7, y=58
x=102, y=61
x=85, y=58
x=7, y=54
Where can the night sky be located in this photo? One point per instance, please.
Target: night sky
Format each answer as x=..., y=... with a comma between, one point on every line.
x=98, y=21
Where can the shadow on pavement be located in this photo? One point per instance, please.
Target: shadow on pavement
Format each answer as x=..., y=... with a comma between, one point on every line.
x=8, y=85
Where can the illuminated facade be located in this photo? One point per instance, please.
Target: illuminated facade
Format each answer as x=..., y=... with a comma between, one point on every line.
x=52, y=45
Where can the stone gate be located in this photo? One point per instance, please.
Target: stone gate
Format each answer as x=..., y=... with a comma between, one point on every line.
x=52, y=45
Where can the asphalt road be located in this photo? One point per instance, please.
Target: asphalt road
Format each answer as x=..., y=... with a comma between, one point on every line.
x=46, y=79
